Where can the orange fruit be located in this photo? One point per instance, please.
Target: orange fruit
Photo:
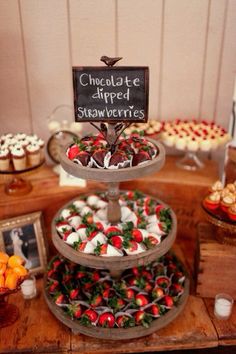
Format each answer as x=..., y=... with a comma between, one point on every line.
x=3, y=268
x=3, y=257
x=2, y=281
x=15, y=261
x=20, y=271
x=11, y=281
x=8, y=271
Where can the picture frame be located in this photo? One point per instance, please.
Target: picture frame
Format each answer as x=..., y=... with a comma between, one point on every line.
x=23, y=235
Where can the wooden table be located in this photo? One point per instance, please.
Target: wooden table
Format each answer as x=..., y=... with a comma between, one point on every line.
x=37, y=330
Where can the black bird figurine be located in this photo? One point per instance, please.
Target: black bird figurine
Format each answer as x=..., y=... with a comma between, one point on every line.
x=110, y=61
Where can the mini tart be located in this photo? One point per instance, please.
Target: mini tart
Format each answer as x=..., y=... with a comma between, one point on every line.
x=227, y=202
x=232, y=212
x=212, y=201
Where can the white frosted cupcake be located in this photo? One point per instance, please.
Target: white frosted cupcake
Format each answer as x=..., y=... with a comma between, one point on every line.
x=33, y=154
x=18, y=158
x=192, y=145
x=205, y=144
x=41, y=144
x=4, y=159
x=180, y=143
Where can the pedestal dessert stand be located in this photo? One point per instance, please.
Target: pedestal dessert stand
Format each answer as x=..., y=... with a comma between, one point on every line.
x=225, y=229
x=116, y=265
x=18, y=185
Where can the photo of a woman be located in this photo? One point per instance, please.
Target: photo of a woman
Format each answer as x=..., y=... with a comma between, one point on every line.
x=22, y=242
x=20, y=247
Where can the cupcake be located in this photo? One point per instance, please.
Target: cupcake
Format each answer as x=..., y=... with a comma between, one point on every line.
x=4, y=159
x=33, y=154
x=41, y=145
x=18, y=158
x=232, y=212
x=227, y=202
x=212, y=201
x=217, y=187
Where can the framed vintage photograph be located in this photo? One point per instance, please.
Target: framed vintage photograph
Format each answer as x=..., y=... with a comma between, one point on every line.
x=23, y=235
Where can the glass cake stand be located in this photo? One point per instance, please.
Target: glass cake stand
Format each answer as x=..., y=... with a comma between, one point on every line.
x=18, y=185
x=9, y=313
x=190, y=161
x=225, y=228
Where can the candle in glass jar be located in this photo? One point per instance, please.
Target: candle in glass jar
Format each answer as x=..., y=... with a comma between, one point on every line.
x=28, y=288
x=223, y=306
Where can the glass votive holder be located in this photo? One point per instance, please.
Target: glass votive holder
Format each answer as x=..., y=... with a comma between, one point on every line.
x=223, y=306
x=28, y=287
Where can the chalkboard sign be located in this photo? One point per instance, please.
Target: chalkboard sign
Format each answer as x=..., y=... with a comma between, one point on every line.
x=111, y=94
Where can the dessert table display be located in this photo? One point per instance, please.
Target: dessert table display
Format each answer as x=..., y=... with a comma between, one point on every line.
x=114, y=234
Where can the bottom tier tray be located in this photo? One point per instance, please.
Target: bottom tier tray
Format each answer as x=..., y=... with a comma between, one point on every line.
x=91, y=302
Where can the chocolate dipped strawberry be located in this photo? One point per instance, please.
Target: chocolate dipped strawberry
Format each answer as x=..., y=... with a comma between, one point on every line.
x=100, y=158
x=157, y=292
x=168, y=301
x=142, y=318
x=140, y=157
x=163, y=282
x=88, y=317
x=82, y=158
x=75, y=311
x=74, y=294
x=141, y=300
x=106, y=319
x=125, y=321
x=119, y=159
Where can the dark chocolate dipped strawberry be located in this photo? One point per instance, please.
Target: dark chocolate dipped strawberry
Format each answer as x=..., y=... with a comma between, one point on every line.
x=60, y=299
x=163, y=282
x=176, y=289
x=53, y=287
x=100, y=157
x=167, y=300
x=74, y=294
x=157, y=292
x=75, y=311
x=125, y=321
x=119, y=159
x=142, y=318
x=116, y=303
x=141, y=300
x=106, y=319
x=140, y=157
x=154, y=310
x=82, y=158
x=96, y=300
x=88, y=317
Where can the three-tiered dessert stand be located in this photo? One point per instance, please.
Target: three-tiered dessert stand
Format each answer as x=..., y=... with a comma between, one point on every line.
x=116, y=264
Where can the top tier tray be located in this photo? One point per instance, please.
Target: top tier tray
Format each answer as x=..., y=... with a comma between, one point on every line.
x=116, y=175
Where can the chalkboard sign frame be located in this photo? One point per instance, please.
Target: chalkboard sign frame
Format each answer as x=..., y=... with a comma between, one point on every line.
x=143, y=69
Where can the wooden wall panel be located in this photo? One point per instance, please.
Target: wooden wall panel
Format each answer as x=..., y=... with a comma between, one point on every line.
x=140, y=40
x=185, y=24
x=214, y=39
x=45, y=28
x=227, y=70
x=92, y=27
x=189, y=46
x=14, y=108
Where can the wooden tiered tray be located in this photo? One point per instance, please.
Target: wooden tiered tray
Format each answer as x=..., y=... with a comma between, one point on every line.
x=119, y=333
x=123, y=174
x=113, y=263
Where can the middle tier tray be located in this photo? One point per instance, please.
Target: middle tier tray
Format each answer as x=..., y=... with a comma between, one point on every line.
x=158, y=214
